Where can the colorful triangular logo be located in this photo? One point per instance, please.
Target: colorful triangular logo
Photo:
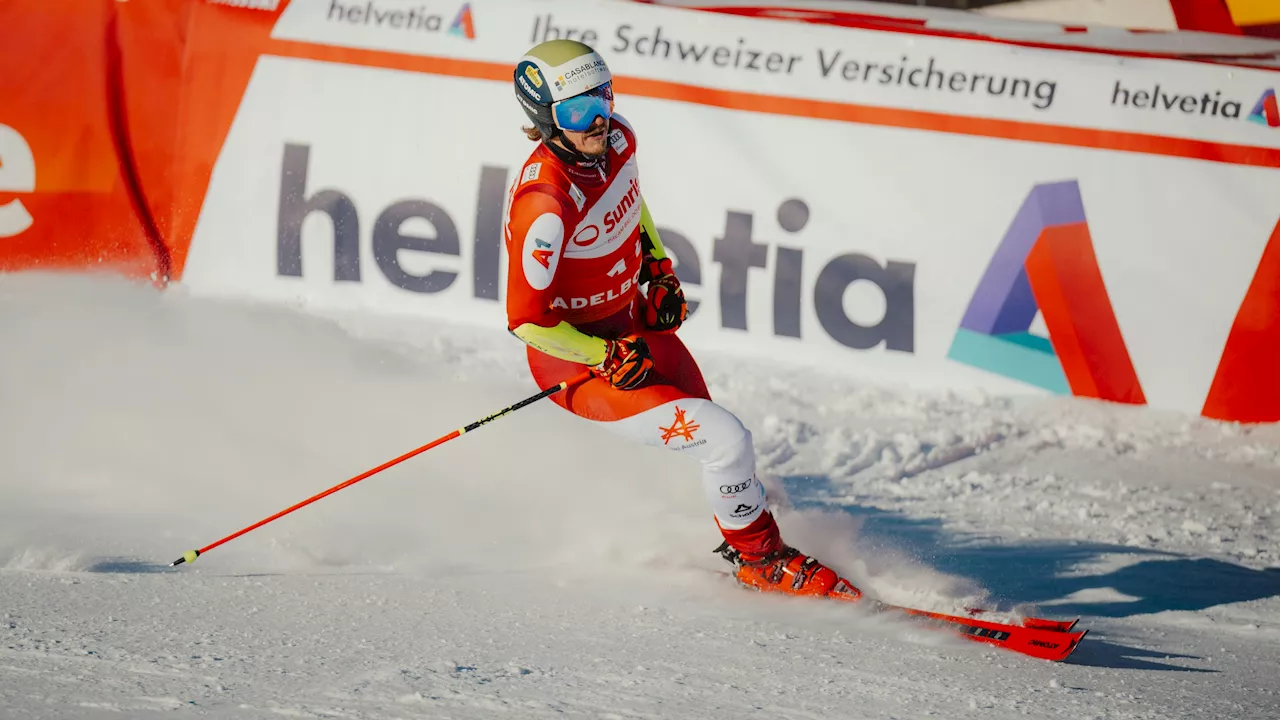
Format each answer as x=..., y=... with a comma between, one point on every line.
x=462, y=25
x=1266, y=111
x=543, y=253
x=1045, y=265
x=679, y=428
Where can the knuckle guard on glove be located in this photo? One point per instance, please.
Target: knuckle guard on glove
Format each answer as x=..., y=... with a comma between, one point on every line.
x=665, y=308
x=627, y=362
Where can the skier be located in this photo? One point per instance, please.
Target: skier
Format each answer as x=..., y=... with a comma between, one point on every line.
x=589, y=284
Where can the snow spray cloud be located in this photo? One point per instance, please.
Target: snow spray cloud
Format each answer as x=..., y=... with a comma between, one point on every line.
x=150, y=422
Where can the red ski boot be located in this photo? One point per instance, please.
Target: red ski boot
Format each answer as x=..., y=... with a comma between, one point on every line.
x=788, y=571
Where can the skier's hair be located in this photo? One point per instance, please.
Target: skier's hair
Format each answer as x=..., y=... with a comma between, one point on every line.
x=532, y=133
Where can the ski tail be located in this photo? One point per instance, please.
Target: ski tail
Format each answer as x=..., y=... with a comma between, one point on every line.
x=1055, y=625
x=1034, y=622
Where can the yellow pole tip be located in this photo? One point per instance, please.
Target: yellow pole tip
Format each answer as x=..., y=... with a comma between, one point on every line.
x=190, y=556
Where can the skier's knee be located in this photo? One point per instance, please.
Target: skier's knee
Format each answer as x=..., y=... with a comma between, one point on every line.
x=733, y=460
x=735, y=450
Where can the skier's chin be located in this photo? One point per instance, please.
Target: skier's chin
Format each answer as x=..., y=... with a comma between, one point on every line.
x=594, y=143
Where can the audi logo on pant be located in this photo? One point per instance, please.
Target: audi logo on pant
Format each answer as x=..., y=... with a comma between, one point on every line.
x=735, y=489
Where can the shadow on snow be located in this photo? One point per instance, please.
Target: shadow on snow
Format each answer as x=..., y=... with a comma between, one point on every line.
x=1094, y=652
x=125, y=565
x=1049, y=573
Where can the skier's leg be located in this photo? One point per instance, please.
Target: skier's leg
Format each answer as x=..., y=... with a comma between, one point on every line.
x=722, y=444
x=674, y=410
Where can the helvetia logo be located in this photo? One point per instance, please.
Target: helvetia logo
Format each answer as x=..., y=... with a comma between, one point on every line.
x=1045, y=264
x=464, y=26
x=391, y=14
x=1266, y=112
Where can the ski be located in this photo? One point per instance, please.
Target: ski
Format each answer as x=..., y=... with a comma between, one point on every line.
x=1035, y=622
x=1055, y=625
x=1042, y=638
x=1052, y=640
x=1045, y=643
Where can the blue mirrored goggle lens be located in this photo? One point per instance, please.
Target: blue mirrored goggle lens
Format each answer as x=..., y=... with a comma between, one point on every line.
x=577, y=113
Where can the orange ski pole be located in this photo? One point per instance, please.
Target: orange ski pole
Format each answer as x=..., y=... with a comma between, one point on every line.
x=191, y=555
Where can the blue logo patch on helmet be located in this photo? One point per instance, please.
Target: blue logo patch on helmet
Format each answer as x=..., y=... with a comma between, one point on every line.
x=532, y=83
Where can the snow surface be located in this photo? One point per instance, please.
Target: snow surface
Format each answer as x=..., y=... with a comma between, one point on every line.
x=543, y=568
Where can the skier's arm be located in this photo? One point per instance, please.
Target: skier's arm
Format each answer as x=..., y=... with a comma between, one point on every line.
x=665, y=308
x=649, y=234
x=535, y=244
x=563, y=341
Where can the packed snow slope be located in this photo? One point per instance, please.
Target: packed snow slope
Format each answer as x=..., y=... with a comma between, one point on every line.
x=543, y=568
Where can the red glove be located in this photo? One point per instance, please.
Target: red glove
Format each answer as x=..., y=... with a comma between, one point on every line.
x=627, y=362
x=663, y=308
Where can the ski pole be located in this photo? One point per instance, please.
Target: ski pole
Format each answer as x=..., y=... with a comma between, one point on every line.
x=191, y=555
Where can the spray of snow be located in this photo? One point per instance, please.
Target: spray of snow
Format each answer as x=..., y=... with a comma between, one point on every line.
x=143, y=424
x=480, y=576
x=140, y=424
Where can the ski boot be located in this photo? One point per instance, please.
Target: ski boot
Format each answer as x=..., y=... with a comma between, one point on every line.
x=788, y=571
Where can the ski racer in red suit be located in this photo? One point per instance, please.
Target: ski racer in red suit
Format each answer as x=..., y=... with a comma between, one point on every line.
x=589, y=284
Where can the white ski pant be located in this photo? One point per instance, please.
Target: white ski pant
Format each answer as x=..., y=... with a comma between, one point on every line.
x=718, y=439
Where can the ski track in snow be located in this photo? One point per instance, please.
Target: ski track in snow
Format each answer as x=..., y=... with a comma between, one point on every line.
x=543, y=568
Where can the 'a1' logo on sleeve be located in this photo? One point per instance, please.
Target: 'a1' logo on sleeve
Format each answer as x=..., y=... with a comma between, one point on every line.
x=543, y=245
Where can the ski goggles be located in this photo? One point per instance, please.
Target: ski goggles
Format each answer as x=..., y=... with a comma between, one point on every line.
x=576, y=114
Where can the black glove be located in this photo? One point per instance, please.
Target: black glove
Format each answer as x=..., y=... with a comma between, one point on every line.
x=626, y=363
x=664, y=307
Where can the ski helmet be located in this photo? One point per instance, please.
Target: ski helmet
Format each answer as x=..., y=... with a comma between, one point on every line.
x=563, y=85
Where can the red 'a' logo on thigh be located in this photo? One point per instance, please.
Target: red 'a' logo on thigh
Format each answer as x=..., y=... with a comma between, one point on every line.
x=679, y=428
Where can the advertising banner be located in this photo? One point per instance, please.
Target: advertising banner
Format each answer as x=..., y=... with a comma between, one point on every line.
x=69, y=194
x=935, y=83
x=928, y=210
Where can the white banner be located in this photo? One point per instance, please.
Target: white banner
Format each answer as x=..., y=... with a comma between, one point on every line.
x=850, y=247
x=935, y=211
x=949, y=76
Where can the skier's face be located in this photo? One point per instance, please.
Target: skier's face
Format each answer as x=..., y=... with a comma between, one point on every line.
x=594, y=141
